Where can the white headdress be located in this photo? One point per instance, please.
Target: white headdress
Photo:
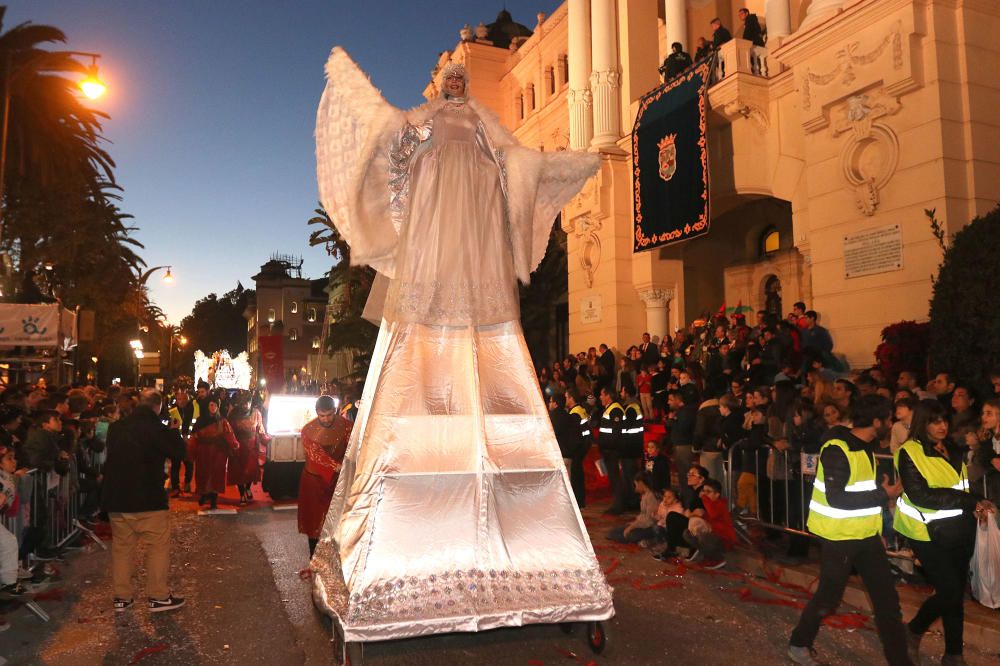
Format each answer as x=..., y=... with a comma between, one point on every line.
x=453, y=69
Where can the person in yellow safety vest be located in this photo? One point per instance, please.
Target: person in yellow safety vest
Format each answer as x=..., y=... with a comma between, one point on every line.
x=578, y=412
x=846, y=514
x=610, y=439
x=632, y=437
x=184, y=413
x=938, y=514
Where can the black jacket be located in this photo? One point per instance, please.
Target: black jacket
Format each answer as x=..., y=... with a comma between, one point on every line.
x=752, y=31
x=138, y=445
x=682, y=426
x=567, y=431
x=959, y=528
x=837, y=471
x=720, y=37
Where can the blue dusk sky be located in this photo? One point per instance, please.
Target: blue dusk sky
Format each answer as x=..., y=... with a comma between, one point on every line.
x=213, y=104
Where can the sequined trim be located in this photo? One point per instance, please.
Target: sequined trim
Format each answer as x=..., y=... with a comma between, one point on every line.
x=404, y=145
x=470, y=592
x=454, y=303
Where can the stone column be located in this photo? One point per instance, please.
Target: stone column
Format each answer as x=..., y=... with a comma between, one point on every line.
x=779, y=21
x=657, y=301
x=675, y=18
x=581, y=120
x=605, y=79
x=820, y=10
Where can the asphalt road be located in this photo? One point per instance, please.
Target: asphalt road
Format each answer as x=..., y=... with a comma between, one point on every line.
x=247, y=605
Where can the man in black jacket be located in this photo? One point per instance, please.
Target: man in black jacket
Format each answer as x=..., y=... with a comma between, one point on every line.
x=752, y=31
x=136, y=502
x=720, y=34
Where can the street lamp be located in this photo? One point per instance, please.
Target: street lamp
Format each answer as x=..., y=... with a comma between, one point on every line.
x=91, y=86
x=168, y=277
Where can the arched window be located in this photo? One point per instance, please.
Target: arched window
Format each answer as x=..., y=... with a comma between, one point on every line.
x=293, y=334
x=550, y=77
x=270, y=316
x=295, y=307
x=312, y=314
x=770, y=241
x=315, y=343
x=519, y=102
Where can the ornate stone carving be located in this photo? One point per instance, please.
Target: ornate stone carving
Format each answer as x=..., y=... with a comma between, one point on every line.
x=850, y=58
x=739, y=108
x=871, y=154
x=859, y=112
x=585, y=229
x=656, y=297
x=465, y=33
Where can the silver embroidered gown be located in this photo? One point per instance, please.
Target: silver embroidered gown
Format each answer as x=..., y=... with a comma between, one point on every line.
x=453, y=511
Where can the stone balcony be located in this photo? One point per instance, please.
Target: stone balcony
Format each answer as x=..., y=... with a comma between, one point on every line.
x=740, y=88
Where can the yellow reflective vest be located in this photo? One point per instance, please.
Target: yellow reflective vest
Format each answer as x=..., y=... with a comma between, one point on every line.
x=844, y=524
x=581, y=413
x=911, y=520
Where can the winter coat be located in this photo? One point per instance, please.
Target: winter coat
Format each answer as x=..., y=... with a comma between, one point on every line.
x=138, y=446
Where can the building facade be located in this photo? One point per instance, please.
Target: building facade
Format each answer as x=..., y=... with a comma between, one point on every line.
x=826, y=147
x=293, y=307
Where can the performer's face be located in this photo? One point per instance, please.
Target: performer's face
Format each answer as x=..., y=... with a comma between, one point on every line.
x=455, y=85
x=325, y=417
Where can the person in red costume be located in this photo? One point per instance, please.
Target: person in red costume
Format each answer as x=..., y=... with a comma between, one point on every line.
x=324, y=442
x=210, y=445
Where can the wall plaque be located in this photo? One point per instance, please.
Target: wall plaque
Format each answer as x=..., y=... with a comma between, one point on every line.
x=872, y=251
x=590, y=309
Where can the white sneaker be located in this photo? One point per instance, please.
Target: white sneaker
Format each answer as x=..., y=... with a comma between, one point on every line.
x=804, y=656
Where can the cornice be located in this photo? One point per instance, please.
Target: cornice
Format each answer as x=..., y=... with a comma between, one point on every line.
x=828, y=34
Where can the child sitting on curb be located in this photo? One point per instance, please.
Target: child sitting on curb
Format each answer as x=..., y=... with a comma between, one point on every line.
x=642, y=526
x=712, y=535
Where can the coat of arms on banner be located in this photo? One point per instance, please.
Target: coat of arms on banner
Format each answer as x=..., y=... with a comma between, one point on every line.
x=668, y=156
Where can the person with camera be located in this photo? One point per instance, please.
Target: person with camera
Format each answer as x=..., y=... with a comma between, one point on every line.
x=136, y=501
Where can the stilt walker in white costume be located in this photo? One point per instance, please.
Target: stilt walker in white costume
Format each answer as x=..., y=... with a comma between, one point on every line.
x=453, y=511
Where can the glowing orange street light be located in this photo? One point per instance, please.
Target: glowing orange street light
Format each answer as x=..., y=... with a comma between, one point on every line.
x=169, y=277
x=91, y=85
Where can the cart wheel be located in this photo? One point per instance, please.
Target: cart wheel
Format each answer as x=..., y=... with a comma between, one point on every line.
x=566, y=627
x=597, y=637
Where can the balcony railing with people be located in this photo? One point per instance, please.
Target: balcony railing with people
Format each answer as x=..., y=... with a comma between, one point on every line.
x=740, y=56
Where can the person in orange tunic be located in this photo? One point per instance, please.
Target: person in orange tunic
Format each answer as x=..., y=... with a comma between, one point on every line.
x=324, y=442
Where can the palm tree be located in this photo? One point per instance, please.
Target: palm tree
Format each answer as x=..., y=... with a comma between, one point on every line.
x=53, y=138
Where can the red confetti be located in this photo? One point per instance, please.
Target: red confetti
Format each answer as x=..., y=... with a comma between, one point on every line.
x=614, y=565
x=55, y=594
x=145, y=652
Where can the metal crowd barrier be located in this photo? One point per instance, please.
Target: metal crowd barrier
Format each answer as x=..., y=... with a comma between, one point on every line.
x=783, y=503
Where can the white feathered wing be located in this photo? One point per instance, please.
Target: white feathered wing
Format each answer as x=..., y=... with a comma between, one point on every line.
x=351, y=119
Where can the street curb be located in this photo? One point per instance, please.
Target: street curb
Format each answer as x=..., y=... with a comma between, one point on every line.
x=982, y=625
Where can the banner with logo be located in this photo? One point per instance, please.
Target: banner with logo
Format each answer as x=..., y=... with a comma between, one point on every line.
x=47, y=325
x=670, y=158
x=272, y=361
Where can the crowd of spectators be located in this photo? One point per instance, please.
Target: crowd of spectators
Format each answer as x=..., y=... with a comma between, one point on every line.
x=54, y=440
x=764, y=397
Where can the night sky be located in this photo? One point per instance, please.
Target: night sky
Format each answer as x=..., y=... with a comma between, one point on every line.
x=213, y=105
